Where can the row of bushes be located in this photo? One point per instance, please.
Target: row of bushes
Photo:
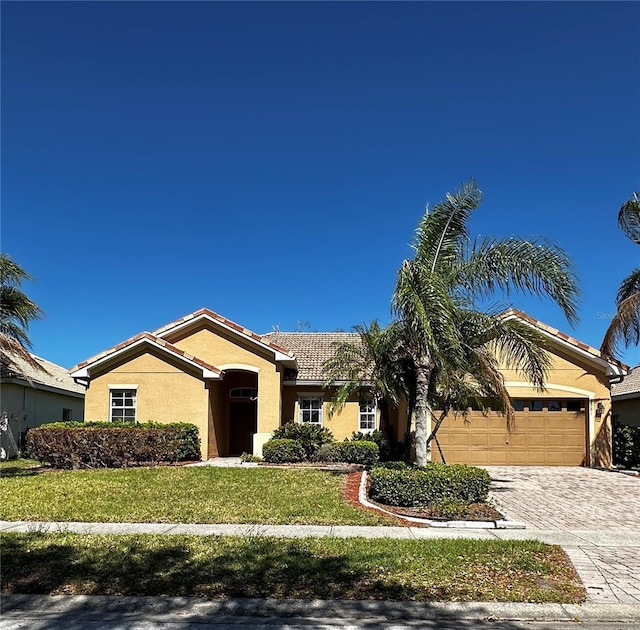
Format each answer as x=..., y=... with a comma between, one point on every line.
x=293, y=443
x=285, y=451
x=626, y=446
x=73, y=445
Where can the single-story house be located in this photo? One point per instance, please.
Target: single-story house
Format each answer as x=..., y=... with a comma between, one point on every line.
x=625, y=399
x=238, y=387
x=32, y=397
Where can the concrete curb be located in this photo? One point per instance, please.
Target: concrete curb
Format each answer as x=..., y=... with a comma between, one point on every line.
x=192, y=608
x=505, y=523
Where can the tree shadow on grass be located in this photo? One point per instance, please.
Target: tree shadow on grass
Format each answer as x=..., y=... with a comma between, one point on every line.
x=21, y=471
x=255, y=568
x=215, y=568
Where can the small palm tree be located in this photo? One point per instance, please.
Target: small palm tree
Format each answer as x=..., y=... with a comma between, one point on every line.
x=455, y=346
x=368, y=364
x=16, y=312
x=625, y=325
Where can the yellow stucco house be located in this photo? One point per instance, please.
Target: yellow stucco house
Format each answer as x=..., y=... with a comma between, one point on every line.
x=238, y=386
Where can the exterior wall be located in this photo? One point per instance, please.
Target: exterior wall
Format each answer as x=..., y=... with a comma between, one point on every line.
x=165, y=393
x=227, y=351
x=342, y=424
x=28, y=406
x=627, y=411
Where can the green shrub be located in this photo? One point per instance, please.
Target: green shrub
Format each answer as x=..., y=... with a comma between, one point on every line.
x=248, y=458
x=282, y=451
x=377, y=437
x=419, y=487
x=73, y=445
x=451, y=509
x=329, y=453
x=310, y=436
x=364, y=453
x=394, y=465
x=626, y=446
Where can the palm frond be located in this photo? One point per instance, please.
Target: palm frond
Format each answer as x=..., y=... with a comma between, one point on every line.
x=529, y=266
x=442, y=229
x=629, y=218
x=624, y=329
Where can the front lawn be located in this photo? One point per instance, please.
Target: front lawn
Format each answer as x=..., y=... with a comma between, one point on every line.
x=309, y=568
x=180, y=495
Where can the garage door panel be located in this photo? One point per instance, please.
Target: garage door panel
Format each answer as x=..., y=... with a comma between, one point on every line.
x=540, y=438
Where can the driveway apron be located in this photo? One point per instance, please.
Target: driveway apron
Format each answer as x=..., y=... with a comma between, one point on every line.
x=598, y=510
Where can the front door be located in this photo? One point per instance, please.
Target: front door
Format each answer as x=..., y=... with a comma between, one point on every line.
x=242, y=426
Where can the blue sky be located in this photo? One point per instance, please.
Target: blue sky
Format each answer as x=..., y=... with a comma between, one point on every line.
x=271, y=160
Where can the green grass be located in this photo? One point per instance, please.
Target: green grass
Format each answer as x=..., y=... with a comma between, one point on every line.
x=326, y=568
x=18, y=467
x=181, y=495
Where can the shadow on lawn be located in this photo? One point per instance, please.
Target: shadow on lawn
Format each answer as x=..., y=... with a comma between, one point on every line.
x=256, y=569
x=21, y=471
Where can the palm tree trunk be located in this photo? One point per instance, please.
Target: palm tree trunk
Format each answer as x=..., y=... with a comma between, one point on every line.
x=423, y=414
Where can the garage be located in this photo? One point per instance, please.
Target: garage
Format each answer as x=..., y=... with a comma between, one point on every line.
x=547, y=433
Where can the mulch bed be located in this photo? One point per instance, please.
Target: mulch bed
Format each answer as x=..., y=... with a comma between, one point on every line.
x=477, y=511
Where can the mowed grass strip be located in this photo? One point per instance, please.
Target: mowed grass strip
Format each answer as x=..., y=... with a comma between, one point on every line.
x=181, y=495
x=326, y=568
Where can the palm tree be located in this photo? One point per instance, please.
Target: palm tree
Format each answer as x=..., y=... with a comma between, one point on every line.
x=16, y=312
x=455, y=346
x=370, y=362
x=625, y=326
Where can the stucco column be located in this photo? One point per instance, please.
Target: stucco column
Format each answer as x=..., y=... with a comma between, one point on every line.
x=269, y=406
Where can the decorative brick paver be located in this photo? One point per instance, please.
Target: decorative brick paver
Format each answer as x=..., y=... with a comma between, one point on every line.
x=598, y=512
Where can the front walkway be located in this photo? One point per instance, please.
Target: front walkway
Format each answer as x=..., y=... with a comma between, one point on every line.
x=595, y=513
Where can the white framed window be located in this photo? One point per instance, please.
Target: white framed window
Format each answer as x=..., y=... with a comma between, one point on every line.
x=367, y=416
x=123, y=405
x=310, y=409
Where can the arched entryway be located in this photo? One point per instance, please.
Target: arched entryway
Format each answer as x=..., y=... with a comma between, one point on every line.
x=241, y=391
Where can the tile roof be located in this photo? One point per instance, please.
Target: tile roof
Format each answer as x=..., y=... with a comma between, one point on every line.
x=310, y=349
x=160, y=332
x=562, y=336
x=55, y=375
x=145, y=335
x=629, y=385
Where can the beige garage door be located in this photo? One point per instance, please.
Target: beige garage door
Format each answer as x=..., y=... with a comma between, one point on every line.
x=541, y=438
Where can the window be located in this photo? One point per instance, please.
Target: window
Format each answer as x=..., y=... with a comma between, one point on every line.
x=310, y=409
x=367, y=416
x=554, y=405
x=123, y=405
x=519, y=404
x=66, y=414
x=243, y=392
x=575, y=405
x=536, y=405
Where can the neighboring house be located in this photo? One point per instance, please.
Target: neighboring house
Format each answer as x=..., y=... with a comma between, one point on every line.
x=238, y=387
x=30, y=397
x=625, y=398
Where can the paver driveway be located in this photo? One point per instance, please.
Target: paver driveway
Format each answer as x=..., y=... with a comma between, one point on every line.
x=594, y=514
x=558, y=497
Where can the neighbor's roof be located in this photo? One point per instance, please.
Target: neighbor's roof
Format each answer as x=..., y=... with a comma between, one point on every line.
x=55, y=375
x=554, y=332
x=629, y=386
x=311, y=349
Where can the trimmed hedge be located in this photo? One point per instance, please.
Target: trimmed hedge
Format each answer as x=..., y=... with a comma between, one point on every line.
x=365, y=453
x=626, y=446
x=310, y=436
x=419, y=487
x=282, y=451
x=74, y=445
x=385, y=450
